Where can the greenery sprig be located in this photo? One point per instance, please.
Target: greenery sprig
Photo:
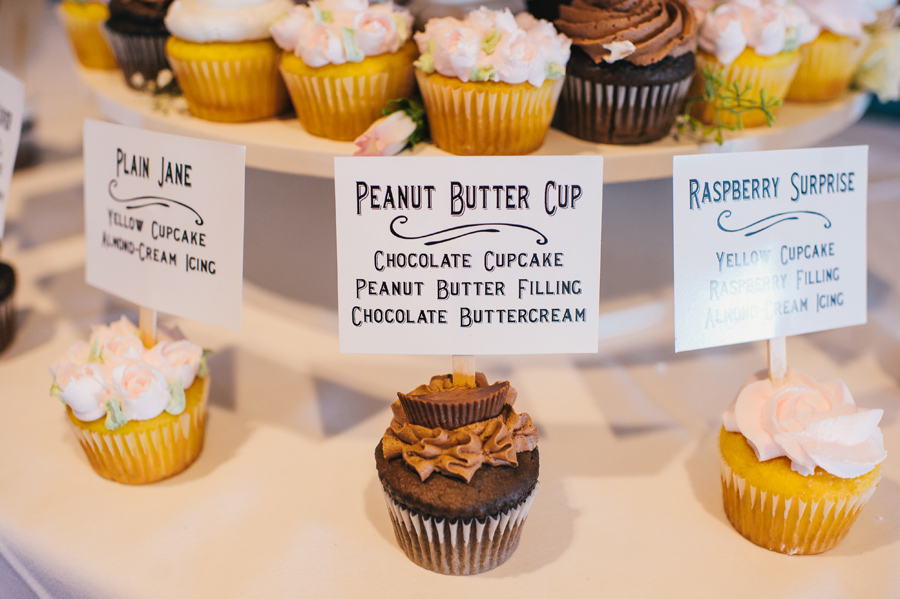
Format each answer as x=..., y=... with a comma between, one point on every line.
x=725, y=99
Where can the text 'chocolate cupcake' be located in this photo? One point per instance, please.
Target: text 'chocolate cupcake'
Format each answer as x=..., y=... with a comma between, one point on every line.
x=458, y=494
x=630, y=69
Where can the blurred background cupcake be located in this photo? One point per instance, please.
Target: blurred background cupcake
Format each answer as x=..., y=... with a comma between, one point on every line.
x=752, y=43
x=828, y=62
x=138, y=36
x=630, y=70
x=490, y=82
x=225, y=60
x=343, y=61
x=83, y=20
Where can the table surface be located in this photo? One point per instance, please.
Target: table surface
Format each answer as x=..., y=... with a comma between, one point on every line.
x=285, y=501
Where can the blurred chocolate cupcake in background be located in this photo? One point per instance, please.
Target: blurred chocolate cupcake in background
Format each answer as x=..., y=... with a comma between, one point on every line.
x=137, y=35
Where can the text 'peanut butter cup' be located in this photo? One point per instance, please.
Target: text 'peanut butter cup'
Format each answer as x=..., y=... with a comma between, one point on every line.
x=439, y=404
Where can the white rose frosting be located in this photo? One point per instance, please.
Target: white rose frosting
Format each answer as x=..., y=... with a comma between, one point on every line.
x=813, y=424
x=491, y=45
x=339, y=31
x=224, y=20
x=114, y=375
x=766, y=26
x=843, y=17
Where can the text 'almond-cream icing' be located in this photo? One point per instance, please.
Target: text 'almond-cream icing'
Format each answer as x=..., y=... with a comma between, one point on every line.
x=814, y=424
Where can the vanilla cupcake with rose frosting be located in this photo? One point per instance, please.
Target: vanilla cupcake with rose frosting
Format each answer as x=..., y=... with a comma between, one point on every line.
x=753, y=43
x=138, y=413
x=491, y=81
x=224, y=58
x=799, y=461
x=343, y=61
x=83, y=21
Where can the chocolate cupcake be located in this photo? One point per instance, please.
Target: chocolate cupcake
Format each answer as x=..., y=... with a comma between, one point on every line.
x=630, y=70
x=137, y=35
x=458, y=497
x=7, y=310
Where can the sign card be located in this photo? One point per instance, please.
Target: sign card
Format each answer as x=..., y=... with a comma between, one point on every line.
x=460, y=256
x=12, y=105
x=164, y=221
x=768, y=244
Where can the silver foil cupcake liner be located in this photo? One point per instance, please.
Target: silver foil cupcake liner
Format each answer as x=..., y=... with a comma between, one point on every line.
x=144, y=54
x=458, y=547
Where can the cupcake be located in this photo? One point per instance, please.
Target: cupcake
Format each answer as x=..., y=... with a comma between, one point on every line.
x=799, y=462
x=7, y=308
x=753, y=44
x=224, y=58
x=827, y=63
x=490, y=82
x=630, y=70
x=343, y=61
x=459, y=471
x=138, y=36
x=137, y=412
x=83, y=20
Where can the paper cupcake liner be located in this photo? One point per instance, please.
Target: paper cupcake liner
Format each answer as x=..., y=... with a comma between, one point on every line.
x=775, y=79
x=86, y=37
x=144, y=54
x=620, y=114
x=236, y=90
x=150, y=455
x=458, y=547
x=7, y=311
x=486, y=119
x=787, y=524
x=826, y=67
x=452, y=415
x=342, y=108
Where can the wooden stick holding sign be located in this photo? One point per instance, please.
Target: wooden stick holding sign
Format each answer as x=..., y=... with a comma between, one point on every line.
x=147, y=326
x=777, y=349
x=464, y=371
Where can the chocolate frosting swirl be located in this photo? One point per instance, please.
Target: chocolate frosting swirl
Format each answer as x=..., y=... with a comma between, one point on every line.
x=459, y=452
x=149, y=12
x=657, y=28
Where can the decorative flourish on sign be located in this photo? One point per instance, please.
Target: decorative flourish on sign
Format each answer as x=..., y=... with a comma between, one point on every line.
x=150, y=201
x=452, y=233
x=769, y=221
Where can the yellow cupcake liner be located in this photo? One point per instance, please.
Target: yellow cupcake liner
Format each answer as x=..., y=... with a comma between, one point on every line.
x=341, y=101
x=147, y=451
x=772, y=73
x=240, y=84
x=788, y=524
x=458, y=547
x=84, y=26
x=827, y=65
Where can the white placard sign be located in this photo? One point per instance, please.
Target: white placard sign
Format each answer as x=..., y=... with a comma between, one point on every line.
x=768, y=244
x=12, y=105
x=482, y=255
x=164, y=221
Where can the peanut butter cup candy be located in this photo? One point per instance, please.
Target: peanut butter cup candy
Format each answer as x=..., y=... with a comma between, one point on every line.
x=631, y=67
x=459, y=471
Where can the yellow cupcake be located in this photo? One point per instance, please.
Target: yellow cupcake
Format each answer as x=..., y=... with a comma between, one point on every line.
x=146, y=451
x=781, y=510
x=483, y=118
x=341, y=101
x=84, y=24
x=827, y=65
x=772, y=73
x=228, y=81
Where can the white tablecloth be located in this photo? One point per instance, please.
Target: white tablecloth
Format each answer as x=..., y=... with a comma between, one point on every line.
x=285, y=501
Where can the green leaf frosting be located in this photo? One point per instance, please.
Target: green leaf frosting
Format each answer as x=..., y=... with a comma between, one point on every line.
x=114, y=416
x=350, y=49
x=425, y=63
x=484, y=73
x=555, y=70
x=402, y=27
x=319, y=15
x=176, y=398
x=56, y=391
x=490, y=41
x=94, y=355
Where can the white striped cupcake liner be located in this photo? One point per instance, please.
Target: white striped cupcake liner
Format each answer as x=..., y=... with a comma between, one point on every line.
x=458, y=547
x=826, y=65
x=151, y=455
x=144, y=54
x=620, y=114
x=788, y=524
x=232, y=90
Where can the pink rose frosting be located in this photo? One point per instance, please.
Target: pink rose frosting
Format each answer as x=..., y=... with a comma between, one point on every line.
x=813, y=424
x=83, y=388
x=178, y=360
x=843, y=17
x=339, y=31
x=491, y=45
x=141, y=389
